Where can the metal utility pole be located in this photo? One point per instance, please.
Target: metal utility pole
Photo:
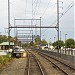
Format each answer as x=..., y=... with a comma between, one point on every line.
x=54, y=39
x=40, y=30
x=60, y=40
x=60, y=35
x=58, y=21
x=9, y=22
x=32, y=8
x=65, y=43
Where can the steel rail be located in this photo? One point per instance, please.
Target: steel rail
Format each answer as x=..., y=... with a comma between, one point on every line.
x=38, y=63
x=60, y=67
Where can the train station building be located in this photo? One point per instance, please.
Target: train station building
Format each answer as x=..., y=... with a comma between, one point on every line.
x=5, y=45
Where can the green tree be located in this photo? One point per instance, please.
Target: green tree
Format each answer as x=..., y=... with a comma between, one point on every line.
x=3, y=38
x=25, y=45
x=69, y=43
x=61, y=43
x=12, y=39
x=37, y=41
x=31, y=43
x=44, y=41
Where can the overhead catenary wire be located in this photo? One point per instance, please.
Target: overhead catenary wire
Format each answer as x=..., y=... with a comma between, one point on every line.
x=46, y=8
x=25, y=8
x=34, y=10
x=64, y=14
x=68, y=8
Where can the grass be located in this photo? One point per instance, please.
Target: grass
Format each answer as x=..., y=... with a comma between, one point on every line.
x=4, y=59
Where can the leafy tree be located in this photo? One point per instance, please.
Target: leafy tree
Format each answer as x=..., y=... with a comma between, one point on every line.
x=37, y=41
x=12, y=39
x=25, y=45
x=69, y=43
x=44, y=41
x=61, y=43
x=3, y=38
x=31, y=43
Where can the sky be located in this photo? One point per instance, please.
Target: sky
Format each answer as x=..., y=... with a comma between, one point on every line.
x=46, y=9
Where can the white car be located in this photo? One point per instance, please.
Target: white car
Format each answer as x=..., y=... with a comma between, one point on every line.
x=73, y=49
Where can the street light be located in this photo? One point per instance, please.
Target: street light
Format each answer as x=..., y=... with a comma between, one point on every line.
x=54, y=39
x=49, y=43
x=65, y=42
x=60, y=35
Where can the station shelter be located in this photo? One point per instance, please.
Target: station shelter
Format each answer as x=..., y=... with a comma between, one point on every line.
x=5, y=45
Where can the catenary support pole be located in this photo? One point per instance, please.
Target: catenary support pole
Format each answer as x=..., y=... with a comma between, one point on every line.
x=58, y=21
x=40, y=30
x=9, y=22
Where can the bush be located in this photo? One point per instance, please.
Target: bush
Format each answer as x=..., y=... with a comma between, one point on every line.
x=4, y=59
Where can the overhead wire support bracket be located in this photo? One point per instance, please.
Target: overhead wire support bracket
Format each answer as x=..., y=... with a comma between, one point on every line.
x=26, y=19
x=33, y=27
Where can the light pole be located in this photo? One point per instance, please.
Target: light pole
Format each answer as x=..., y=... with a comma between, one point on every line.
x=49, y=42
x=65, y=42
x=60, y=41
x=54, y=39
x=60, y=35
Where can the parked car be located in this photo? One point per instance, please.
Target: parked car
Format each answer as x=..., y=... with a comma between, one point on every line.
x=18, y=52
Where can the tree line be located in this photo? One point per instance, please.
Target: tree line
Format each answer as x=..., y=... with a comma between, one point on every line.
x=69, y=43
x=4, y=38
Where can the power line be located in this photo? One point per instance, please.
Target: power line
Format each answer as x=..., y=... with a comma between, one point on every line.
x=34, y=12
x=46, y=8
x=68, y=8
x=26, y=8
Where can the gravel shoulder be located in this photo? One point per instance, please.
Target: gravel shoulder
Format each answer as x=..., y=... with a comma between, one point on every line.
x=16, y=67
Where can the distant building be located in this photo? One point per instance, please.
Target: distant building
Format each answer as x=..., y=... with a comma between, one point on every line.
x=44, y=46
x=5, y=45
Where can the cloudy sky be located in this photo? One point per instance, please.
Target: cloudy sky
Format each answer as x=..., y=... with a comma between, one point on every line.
x=46, y=9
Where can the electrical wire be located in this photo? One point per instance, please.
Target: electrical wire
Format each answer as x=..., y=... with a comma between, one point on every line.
x=46, y=8
x=68, y=8
x=25, y=8
x=34, y=11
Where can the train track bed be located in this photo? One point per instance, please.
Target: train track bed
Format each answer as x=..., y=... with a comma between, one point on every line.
x=67, y=70
x=48, y=66
x=33, y=66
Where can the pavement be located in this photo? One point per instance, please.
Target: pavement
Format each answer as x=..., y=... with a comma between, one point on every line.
x=3, y=52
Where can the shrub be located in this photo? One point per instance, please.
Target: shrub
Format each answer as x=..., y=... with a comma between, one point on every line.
x=4, y=59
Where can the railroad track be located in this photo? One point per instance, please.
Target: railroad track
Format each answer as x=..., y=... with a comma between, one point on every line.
x=61, y=66
x=33, y=66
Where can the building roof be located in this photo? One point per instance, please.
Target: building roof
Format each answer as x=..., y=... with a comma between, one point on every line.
x=6, y=44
